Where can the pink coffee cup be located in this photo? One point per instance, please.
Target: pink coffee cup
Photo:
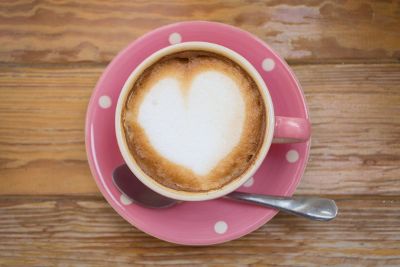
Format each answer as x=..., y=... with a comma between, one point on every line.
x=278, y=129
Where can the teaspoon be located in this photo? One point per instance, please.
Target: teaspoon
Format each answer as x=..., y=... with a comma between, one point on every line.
x=314, y=208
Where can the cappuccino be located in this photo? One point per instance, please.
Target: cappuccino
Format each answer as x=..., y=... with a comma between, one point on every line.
x=194, y=121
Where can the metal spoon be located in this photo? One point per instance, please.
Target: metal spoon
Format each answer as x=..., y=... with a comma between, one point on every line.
x=320, y=209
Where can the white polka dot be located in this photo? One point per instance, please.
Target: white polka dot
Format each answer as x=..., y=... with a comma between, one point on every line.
x=220, y=227
x=125, y=200
x=249, y=182
x=268, y=64
x=292, y=156
x=105, y=101
x=175, y=38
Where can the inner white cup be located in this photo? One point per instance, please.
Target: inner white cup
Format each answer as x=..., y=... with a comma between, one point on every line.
x=233, y=185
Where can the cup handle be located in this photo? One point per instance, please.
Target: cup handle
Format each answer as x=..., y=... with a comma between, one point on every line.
x=291, y=130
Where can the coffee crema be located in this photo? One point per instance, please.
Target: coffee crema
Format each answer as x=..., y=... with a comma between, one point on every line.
x=194, y=121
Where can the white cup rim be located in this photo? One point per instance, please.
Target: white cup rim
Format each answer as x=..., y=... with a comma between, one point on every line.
x=183, y=195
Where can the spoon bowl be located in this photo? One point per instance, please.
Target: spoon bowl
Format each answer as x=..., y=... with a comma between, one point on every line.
x=132, y=187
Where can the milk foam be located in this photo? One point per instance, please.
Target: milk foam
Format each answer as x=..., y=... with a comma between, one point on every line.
x=194, y=127
x=194, y=121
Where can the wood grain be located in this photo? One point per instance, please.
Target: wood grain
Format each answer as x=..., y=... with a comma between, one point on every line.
x=355, y=111
x=355, y=114
x=87, y=232
x=301, y=31
x=42, y=130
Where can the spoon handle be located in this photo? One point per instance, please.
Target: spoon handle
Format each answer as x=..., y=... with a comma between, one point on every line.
x=319, y=209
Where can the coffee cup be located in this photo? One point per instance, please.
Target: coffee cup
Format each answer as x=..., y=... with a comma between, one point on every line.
x=206, y=140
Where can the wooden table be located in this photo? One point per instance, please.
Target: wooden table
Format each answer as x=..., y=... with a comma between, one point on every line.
x=346, y=56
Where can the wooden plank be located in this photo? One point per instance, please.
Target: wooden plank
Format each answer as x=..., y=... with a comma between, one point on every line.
x=301, y=31
x=86, y=231
x=355, y=114
x=42, y=130
x=355, y=111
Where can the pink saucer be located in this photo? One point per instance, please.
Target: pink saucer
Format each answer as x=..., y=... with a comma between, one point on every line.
x=208, y=222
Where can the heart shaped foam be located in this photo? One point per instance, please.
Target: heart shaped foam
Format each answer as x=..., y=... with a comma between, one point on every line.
x=195, y=127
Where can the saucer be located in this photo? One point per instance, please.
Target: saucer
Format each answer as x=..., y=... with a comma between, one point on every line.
x=206, y=222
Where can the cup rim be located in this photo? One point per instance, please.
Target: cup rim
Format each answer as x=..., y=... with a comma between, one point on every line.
x=184, y=195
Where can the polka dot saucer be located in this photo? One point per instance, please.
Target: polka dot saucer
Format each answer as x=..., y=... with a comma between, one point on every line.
x=206, y=222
